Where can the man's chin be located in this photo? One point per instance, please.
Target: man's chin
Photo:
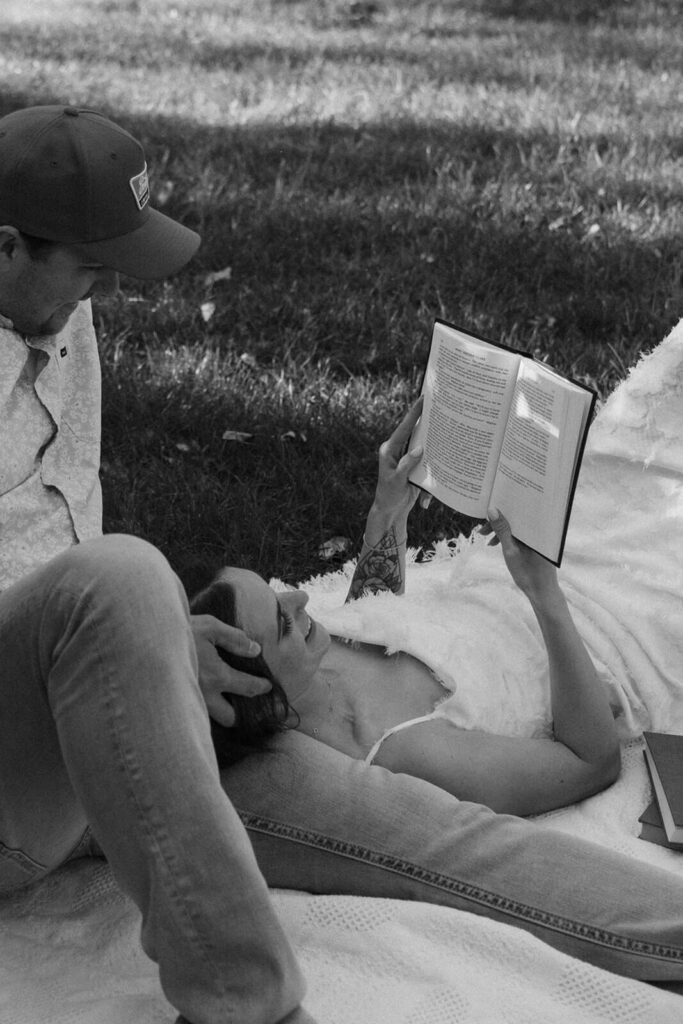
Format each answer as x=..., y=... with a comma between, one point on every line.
x=55, y=324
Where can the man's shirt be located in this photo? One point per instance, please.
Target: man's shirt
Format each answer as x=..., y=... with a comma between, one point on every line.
x=50, y=423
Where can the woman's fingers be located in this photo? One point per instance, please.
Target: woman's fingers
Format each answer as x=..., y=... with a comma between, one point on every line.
x=410, y=459
x=498, y=523
x=400, y=437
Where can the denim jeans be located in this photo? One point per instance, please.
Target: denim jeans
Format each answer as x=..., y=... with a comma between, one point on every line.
x=322, y=822
x=103, y=726
x=102, y=723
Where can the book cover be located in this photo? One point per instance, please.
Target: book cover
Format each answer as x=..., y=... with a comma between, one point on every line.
x=664, y=757
x=652, y=827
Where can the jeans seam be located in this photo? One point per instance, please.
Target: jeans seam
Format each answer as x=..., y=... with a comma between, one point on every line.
x=130, y=767
x=17, y=855
x=465, y=890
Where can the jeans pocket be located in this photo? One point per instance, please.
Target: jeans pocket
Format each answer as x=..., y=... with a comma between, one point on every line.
x=17, y=869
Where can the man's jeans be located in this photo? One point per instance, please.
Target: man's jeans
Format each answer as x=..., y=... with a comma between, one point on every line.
x=327, y=824
x=102, y=722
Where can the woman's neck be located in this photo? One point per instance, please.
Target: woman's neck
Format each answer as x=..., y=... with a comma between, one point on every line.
x=315, y=690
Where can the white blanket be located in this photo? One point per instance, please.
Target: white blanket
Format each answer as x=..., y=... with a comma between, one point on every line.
x=69, y=952
x=622, y=574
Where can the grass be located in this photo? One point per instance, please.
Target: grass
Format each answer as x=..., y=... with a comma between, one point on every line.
x=356, y=169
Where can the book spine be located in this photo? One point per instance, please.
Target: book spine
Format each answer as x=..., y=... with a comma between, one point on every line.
x=673, y=833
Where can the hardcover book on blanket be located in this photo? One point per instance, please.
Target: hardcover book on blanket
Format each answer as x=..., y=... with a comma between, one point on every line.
x=69, y=948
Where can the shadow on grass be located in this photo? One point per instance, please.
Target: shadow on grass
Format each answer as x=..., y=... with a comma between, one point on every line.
x=581, y=12
x=343, y=245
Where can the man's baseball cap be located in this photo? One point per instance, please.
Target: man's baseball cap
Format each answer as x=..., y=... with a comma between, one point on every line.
x=70, y=175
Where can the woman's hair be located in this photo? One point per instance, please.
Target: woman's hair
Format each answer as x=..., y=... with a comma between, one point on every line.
x=256, y=718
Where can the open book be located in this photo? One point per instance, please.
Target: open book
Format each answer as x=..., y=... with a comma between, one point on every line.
x=501, y=430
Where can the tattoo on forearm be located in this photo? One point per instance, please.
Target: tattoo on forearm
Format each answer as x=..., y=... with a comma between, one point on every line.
x=378, y=569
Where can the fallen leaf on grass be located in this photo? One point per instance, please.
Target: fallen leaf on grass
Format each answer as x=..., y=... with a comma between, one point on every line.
x=334, y=546
x=291, y=435
x=218, y=275
x=237, y=435
x=164, y=191
x=207, y=309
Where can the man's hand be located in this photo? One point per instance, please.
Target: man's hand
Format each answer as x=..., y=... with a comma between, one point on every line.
x=215, y=677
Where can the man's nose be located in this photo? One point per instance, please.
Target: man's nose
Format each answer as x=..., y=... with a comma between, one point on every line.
x=107, y=282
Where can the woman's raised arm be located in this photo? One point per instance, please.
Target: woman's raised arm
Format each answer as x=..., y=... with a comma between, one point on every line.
x=517, y=775
x=582, y=716
x=381, y=563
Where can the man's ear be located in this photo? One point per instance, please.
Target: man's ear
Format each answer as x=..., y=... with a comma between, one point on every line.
x=10, y=244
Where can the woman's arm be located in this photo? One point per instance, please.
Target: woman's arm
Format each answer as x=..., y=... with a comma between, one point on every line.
x=525, y=776
x=582, y=717
x=381, y=563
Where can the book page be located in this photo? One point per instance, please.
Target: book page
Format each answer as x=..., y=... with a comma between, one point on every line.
x=537, y=457
x=468, y=387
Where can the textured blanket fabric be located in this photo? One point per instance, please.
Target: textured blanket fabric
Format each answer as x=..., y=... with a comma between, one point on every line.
x=622, y=573
x=69, y=950
x=69, y=954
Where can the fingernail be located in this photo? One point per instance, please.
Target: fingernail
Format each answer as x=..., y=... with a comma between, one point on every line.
x=254, y=648
x=493, y=513
x=416, y=451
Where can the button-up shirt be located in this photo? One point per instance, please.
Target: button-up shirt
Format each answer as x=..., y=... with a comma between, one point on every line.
x=50, y=422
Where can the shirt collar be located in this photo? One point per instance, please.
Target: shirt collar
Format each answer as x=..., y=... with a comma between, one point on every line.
x=45, y=343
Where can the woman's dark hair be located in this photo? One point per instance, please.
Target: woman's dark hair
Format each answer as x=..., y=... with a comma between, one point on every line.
x=256, y=718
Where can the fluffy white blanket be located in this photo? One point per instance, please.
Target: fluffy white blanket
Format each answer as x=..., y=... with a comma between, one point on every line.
x=69, y=952
x=622, y=574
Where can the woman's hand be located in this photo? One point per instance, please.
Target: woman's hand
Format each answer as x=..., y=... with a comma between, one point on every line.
x=534, y=575
x=381, y=564
x=395, y=495
x=215, y=677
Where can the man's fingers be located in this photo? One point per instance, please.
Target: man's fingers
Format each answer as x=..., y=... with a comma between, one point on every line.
x=245, y=685
x=231, y=681
x=230, y=638
x=221, y=711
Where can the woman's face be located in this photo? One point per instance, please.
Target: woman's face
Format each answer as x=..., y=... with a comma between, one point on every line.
x=292, y=644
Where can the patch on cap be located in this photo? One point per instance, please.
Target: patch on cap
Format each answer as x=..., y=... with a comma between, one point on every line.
x=140, y=188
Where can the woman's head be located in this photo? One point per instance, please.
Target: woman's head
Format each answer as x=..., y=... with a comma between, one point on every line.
x=292, y=647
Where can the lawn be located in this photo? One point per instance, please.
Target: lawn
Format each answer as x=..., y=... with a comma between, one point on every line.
x=356, y=169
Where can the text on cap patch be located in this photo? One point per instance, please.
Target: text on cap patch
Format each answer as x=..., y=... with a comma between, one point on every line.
x=140, y=187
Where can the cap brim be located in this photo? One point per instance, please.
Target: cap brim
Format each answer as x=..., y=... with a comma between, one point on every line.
x=158, y=249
